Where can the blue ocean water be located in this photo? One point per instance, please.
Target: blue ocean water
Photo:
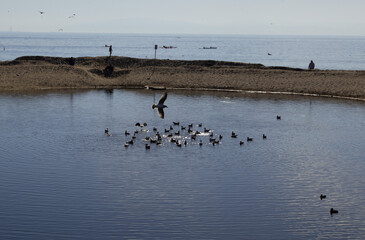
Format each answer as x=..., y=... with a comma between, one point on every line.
x=328, y=52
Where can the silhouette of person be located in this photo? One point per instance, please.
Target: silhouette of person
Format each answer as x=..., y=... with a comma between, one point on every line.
x=311, y=65
x=110, y=50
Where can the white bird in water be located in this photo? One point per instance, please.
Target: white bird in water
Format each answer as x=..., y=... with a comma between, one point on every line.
x=160, y=106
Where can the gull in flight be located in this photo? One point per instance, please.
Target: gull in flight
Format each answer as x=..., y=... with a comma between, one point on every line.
x=41, y=12
x=160, y=106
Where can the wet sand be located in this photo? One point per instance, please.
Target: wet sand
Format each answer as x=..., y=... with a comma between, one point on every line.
x=33, y=73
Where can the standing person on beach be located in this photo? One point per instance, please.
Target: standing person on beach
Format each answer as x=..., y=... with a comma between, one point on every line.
x=110, y=50
x=311, y=65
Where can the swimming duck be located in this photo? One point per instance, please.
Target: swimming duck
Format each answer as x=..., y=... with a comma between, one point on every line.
x=333, y=211
x=242, y=142
x=201, y=143
x=176, y=123
x=249, y=139
x=322, y=196
x=106, y=131
x=264, y=136
x=126, y=132
x=234, y=135
x=278, y=117
x=147, y=146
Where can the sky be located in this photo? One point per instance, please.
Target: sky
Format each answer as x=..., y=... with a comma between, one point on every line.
x=264, y=17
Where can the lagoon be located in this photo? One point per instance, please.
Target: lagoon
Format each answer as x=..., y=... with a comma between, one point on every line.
x=61, y=177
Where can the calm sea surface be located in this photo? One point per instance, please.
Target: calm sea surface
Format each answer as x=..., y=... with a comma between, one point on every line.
x=328, y=52
x=61, y=177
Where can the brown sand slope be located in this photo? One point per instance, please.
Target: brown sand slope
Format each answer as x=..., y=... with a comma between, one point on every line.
x=36, y=72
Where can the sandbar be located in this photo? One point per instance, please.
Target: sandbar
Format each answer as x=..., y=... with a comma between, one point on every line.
x=41, y=72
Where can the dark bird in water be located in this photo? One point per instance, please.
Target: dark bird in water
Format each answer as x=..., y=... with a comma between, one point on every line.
x=322, y=196
x=278, y=117
x=160, y=106
x=264, y=136
x=333, y=211
x=41, y=12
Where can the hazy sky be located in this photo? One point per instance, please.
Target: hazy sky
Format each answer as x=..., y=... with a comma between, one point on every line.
x=294, y=17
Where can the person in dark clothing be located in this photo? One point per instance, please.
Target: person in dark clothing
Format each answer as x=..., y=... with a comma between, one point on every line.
x=110, y=50
x=311, y=65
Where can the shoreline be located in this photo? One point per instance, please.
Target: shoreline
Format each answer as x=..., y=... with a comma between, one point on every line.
x=38, y=72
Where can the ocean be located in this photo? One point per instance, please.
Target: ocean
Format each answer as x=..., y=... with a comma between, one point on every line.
x=327, y=52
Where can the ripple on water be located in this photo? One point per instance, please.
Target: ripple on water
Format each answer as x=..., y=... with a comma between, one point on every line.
x=61, y=177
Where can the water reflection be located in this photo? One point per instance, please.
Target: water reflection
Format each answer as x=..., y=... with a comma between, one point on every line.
x=61, y=177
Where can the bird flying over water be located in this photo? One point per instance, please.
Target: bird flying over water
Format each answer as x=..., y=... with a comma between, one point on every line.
x=160, y=106
x=41, y=12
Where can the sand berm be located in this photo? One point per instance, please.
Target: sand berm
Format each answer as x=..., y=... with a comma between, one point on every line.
x=38, y=72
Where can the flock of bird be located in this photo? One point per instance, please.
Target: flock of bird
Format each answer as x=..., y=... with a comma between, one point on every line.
x=69, y=17
x=180, y=135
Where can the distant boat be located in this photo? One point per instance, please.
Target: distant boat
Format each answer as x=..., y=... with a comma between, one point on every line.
x=168, y=47
x=211, y=47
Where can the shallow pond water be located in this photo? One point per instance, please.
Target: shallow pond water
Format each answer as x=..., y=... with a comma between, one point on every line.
x=62, y=177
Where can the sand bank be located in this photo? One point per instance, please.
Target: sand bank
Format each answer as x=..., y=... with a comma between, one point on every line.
x=36, y=72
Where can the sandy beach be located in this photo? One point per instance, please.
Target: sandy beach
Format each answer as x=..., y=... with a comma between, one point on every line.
x=37, y=72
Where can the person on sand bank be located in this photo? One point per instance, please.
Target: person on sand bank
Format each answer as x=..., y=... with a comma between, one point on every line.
x=110, y=50
x=311, y=65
